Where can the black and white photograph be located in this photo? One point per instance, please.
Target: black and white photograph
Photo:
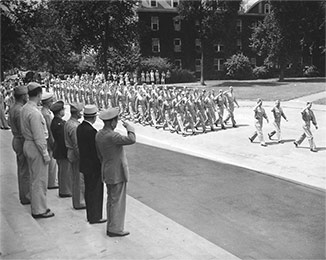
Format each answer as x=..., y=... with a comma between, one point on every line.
x=163, y=129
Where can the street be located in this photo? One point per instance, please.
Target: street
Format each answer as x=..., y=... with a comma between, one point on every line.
x=251, y=215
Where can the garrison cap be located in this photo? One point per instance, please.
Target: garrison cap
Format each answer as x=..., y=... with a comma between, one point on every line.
x=57, y=106
x=76, y=107
x=20, y=90
x=33, y=85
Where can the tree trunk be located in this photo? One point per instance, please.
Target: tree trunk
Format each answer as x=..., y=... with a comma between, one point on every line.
x=202, y=82
x=105, y=47
x=282, y=70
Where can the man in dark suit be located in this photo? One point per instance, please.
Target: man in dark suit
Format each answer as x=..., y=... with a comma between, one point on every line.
x=115, y=170
x=90, y=166
x=60, y=150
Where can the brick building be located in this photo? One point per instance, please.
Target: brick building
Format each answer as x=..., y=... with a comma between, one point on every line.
x=164, y=35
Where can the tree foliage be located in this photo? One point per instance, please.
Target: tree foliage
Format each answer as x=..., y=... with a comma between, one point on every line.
x=215, y=19
x=291, y=29
x=104, y=26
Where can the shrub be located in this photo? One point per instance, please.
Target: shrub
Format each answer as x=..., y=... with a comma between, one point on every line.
x=238, y=67
x=182, y=76
x=261, y=72
x=310, y=71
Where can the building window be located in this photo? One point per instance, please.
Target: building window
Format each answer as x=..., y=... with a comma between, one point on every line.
x=218, y=47
x=218, y=64
x=177, y=44
x=267, y=8
x=154, y=23
x=198, y=45
x=178, y=63
x=177, y=24
x=253, y=62
x=197, y=64
x=155, y=45
x=153, y=3
x=239, y=26
x=175, y=3
x=239, y=44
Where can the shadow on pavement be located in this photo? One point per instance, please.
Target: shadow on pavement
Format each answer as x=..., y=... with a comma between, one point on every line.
x=250, y=83
x=306, y=80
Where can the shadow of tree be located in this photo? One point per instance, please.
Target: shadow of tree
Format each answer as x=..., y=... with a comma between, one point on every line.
x=250, y=84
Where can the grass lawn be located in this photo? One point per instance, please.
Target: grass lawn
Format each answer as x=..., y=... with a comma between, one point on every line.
x=269, y=89
x=320, y=101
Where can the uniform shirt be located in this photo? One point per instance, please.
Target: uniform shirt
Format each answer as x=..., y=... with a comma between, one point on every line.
x=48, y=116
x=14, y=119
x=57, y=129
x=278, y=113
x=260, y=114
x=70, y=135
x=33, y=127
x=307, y=116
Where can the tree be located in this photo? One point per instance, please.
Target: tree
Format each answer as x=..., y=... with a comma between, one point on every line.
x=213, y=19
x=291, y=29
x=99, y=25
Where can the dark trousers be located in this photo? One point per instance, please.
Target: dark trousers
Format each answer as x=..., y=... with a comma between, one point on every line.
x=93, y=196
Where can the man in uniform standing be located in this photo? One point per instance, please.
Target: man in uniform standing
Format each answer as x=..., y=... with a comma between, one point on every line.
x=60, y=150
x=307, y=116
x=47, y=101
x=115, y=170
x=90, y=166
x=35, y=133
x=20, y=94
x=78, y=186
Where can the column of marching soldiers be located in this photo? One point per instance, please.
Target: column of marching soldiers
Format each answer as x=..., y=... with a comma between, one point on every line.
x=178, y=109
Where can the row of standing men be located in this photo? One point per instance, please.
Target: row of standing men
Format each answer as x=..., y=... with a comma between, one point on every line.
x=47, y=146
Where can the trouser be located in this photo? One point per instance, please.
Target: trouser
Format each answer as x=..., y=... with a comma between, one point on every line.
x=53, y=171
x=307, y=133
x=220, y=117
x=116, y=206
x=277, y=130
x=93, y=196
x=258, y=132
x=22, y=170
x=230, y=115
x=38, y=177
x=78, y=186
x=65, y=177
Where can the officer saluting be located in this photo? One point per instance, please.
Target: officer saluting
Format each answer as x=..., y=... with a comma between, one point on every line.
x=35, y=149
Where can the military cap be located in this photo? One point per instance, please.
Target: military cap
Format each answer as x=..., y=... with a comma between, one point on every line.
x=109, y=113
x=33, y=85
x=76, y=107
x=46, y=96
x=57, y=106
x=90, y=110
x=20, y=90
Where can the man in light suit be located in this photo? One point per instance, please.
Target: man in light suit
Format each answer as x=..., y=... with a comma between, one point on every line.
x=90, y=166
x=115, y=171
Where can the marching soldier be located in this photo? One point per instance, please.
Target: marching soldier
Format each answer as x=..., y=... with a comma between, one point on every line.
x=20, y=94
x=278, y=114
x=307, y=116
x=259, y=115
x=231, y=100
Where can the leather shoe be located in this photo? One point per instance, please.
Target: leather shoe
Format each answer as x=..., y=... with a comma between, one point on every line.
x=65, y=195
x=53, y=188
x=102, y=220
x=83, y=207
x=120, y=234
x=47, y=214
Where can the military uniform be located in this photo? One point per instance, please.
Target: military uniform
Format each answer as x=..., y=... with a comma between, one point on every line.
x=259, y=115
x=18, y=145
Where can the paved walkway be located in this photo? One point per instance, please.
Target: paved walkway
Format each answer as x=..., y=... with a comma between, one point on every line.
x=154, y=236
